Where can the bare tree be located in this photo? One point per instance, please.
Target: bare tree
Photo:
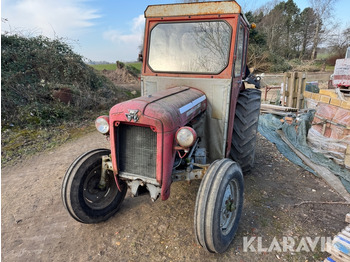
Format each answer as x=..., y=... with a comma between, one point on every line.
x=339, y=42
x=323, y=10
x=307, y=25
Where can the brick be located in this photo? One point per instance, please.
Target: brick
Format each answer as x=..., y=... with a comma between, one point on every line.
x=325, y=99
x=348, y=150
x=307, y=94
x=316, y=120
x=319, y=128
x=342, y=116
x=316, y=96
x=327, y=132
x=310, y=103
x=326, y=111
x=345, y=104
x=333, y=150
x=340, y=133
x=335, y=101
x=327, y=92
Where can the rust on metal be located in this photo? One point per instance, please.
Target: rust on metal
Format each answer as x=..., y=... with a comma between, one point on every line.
x=204, y=8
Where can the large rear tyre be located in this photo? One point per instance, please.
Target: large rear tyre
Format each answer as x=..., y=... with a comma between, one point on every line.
x=219, y=205
x=84, y=199
x=245, y=128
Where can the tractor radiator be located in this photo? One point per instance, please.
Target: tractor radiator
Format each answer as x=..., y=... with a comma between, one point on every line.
x=136, y=150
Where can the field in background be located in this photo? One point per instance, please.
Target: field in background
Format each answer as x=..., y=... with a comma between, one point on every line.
x=112, y=67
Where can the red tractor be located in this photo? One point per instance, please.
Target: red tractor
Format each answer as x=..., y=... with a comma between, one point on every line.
x=194, y=120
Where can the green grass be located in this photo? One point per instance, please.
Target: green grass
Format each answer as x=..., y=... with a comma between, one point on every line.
x=105, y=66
x=137, y=65
x=323, y=56
x=329, y=68
x=113, y=67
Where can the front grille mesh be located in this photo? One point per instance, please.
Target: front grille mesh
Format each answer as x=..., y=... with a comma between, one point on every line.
x=136, y=150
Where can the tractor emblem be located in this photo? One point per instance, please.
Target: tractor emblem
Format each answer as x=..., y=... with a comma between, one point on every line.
x=132, y=115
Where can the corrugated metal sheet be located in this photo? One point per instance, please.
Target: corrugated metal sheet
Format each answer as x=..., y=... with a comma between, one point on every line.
x=204, y=8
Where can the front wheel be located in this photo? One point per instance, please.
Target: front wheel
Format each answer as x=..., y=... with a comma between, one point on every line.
x=83, y=197
x=219, y=205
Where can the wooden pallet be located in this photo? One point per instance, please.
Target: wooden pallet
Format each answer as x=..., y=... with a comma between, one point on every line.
x=340, y=246
x=293, y=88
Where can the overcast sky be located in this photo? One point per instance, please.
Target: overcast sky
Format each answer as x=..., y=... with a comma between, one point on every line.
x=101, y=30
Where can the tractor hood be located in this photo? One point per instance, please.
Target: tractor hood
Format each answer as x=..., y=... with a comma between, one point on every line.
x=166, y=110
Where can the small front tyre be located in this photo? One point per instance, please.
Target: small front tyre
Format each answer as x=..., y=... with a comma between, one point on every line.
x=219, y=205
x=83, y=197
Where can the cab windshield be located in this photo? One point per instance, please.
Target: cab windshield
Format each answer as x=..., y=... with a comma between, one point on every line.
x=192, y=47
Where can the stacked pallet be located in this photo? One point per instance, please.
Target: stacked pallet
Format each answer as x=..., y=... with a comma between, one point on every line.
x=340, y=246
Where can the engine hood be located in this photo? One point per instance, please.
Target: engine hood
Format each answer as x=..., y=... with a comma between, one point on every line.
x=173, y=107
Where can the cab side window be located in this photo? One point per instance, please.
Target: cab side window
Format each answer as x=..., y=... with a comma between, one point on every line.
x=239, y=50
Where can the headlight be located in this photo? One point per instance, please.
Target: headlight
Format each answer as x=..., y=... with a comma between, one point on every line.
x=102, y=124
x=186, y=136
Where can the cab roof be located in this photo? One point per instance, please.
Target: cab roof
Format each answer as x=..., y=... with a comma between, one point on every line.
x=191, y=9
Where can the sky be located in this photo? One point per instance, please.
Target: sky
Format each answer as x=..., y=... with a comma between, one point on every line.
x=102, y=30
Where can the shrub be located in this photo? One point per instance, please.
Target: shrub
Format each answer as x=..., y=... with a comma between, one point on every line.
x=331, y=60
x=278, y=63
x=35, y=70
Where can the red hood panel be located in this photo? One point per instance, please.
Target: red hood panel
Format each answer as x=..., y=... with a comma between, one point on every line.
x=174, y=107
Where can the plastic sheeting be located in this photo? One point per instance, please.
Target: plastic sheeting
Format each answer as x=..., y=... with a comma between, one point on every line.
x=268, y=124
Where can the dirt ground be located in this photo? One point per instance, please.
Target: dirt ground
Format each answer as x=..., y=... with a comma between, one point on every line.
x=36, y=227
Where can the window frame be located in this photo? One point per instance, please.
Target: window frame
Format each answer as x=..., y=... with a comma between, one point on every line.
x=227, y=62
x=244, y=51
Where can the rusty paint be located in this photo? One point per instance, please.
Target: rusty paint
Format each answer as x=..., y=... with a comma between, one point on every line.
x=191, y=9
x=160, y=112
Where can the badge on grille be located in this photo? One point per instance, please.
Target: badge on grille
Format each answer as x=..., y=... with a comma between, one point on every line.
x=132, y=115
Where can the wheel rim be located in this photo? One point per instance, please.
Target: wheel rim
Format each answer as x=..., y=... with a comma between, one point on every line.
x=96, y=197
x=228, y=209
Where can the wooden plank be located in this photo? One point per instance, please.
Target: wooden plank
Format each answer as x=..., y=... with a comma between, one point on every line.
x=347, y=229
x=278, y=113
x=342, y=245
x=279, y=108
x=340, y=256
x=323, y=172
x=344, y=236
x=347, y=218
x=301, y=88
x=344, y=232
x=330, y=259
x=285, y=83
x=291, y=87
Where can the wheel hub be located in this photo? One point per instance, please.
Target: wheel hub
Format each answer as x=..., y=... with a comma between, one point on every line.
x=228, y=207
x=95, y=196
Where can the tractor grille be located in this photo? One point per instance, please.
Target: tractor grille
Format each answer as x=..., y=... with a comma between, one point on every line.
x=136, y=150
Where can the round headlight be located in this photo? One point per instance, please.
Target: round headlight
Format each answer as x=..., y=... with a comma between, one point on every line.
x=102, y=124
x=186, y=136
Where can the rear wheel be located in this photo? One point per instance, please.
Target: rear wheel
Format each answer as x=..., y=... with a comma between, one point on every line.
x=219, y=205
x=245, y=128
x=83, y=197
